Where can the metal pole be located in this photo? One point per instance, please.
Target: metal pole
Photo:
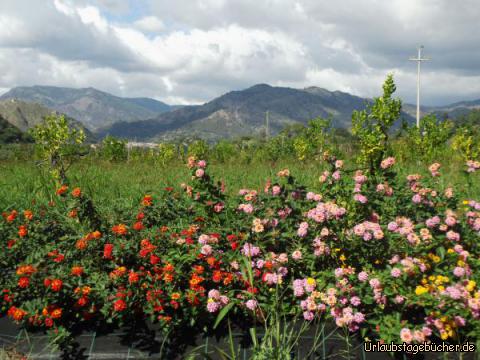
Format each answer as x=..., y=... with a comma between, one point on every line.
x=267, y=121
x=418, y=59
x=418, y=86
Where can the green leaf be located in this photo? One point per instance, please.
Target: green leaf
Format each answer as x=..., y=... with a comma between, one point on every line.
x=222, y=314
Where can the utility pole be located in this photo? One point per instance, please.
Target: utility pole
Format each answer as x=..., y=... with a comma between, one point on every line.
x=267, y=125
x=418, y=59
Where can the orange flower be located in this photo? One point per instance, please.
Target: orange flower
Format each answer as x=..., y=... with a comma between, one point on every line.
x=81, y=244
x=73, y=213
x=56, y=313
x=120, y=229
x=16, y=314
x=168, y=277
x=77, y=192
x=77, y=271
x=96, y=234
x=26, y=270
x=147, y=200
x=164, y=229
x=28, y=214
x=62, y=190
x=175, y=296
x=22, y=231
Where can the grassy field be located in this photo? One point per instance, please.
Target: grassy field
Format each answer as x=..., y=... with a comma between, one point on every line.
x=121, y=185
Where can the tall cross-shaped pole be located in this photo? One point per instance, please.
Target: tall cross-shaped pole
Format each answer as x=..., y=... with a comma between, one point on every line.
x=418, y=59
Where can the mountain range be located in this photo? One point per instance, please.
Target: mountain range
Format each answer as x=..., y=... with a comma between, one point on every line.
x=234, y=114
x=92, y=107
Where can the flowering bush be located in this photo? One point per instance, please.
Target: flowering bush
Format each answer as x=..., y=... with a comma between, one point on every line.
x=383, y=257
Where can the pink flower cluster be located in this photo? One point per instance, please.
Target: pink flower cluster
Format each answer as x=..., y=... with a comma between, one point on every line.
x=473, y=217
x=250, y=250
x=434, y=169
x=312, y=196
x=216, y=301
x=320, y=248
x=368, y=230
x=387, y=163
x=473, y=166
x=246, y=208
x=326, y=211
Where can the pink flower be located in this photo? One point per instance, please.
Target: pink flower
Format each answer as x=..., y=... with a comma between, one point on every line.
x=213, y=306
x=459, y=271
x=199, y=173
x=308, y=315
x=399, y=299
x=250, y=250
x=251, y=304
x=362, y=276
x=297, y=255
x=355, y=301
x=206, y=250
x=417, y=199
x=202, y=163
x=396, y=272
x=276, y=190
x=388, y=162
x=360, y=198
x=406, y=335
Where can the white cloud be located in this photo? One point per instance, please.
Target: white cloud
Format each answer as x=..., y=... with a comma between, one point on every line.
x=194, y=50
x=149, y=24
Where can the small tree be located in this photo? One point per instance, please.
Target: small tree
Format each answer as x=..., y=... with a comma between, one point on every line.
x=56, y=141
x=430, y=138
x=114, y=149
x=371, y=126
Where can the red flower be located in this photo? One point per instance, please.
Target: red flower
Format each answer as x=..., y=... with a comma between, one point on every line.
x=23, y=282
x=82, y=301
x=119, y=305
x=231, y=237
x=22, y=231
x=169, y=188
x=48, y=322
x=217, y=276
x=56, y=285
x=147, y=200
x=59, y=258
x=77, y=271
x=133, y=277
x=10, y=243
x=140, y=216
x=11, y=217
x=107, y=251
x=154, y=259
x=234, y=245
x=138, y=226
x=47, y=282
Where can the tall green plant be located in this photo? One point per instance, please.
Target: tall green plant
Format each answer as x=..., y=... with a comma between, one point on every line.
x=371, y=126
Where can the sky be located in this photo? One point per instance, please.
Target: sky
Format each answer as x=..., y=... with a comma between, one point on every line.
x=191, y=51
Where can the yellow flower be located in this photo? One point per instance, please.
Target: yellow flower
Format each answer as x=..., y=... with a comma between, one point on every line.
x=311, y=281
x=443, y=335
x=342, y=257
x=471, y=285
x=421, y=290
x=465, y=202
x=441, y=288
x=450, y=251
x=436, y=258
